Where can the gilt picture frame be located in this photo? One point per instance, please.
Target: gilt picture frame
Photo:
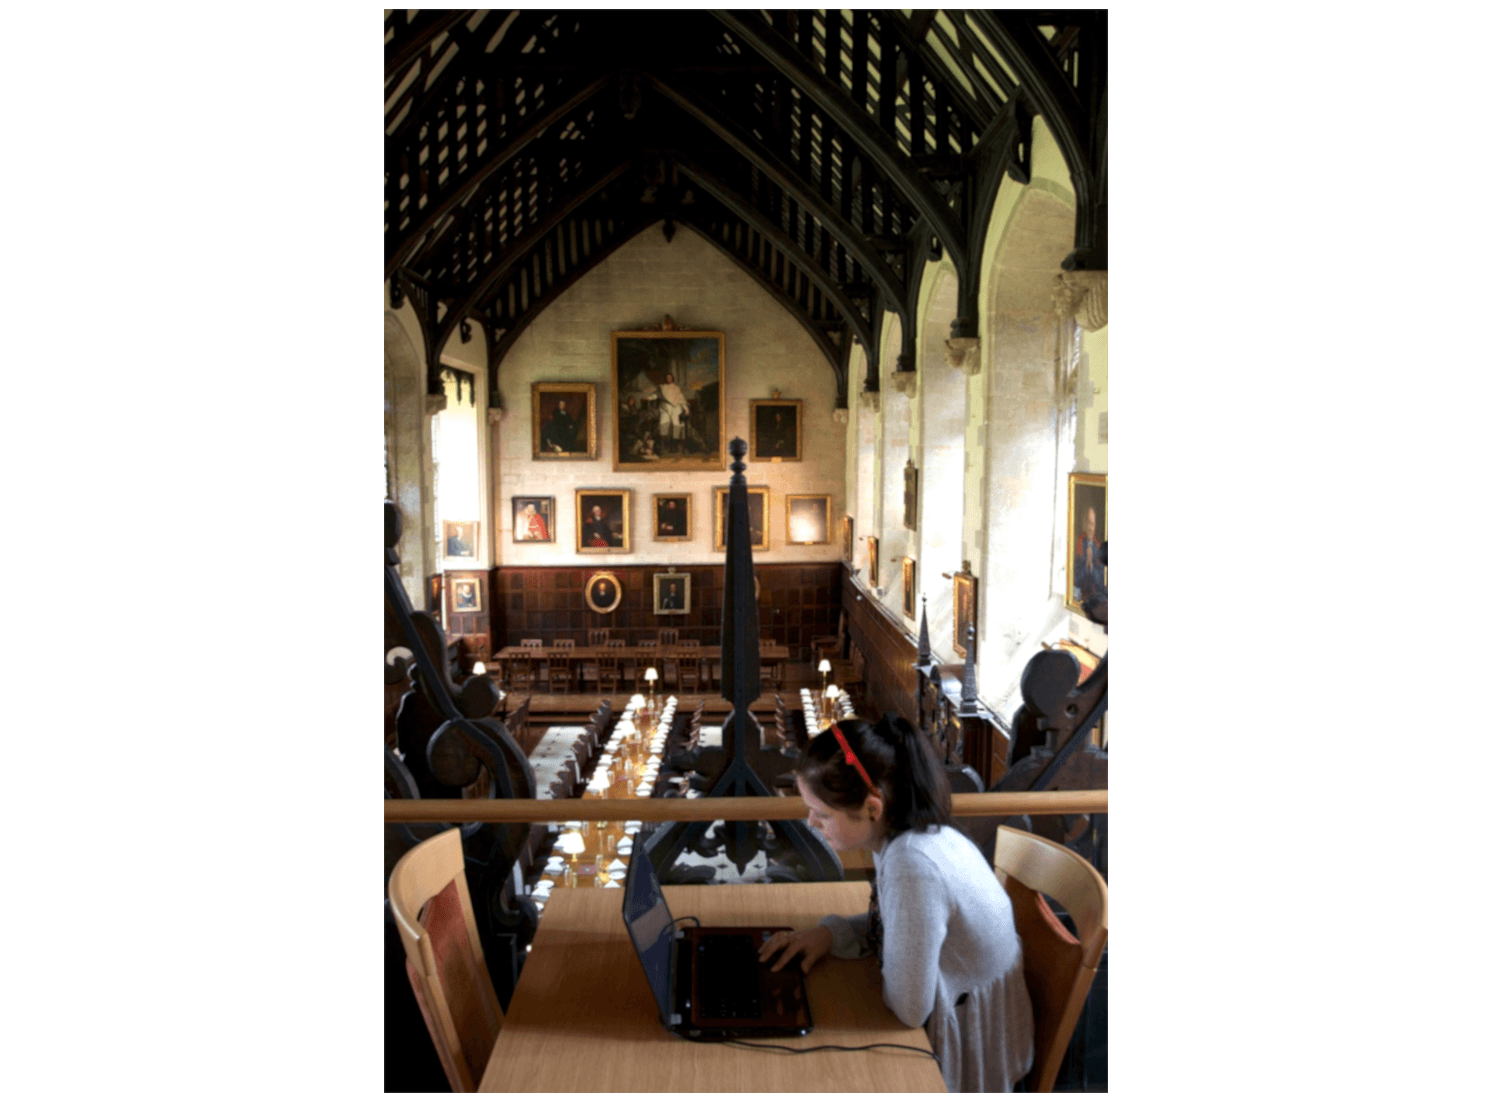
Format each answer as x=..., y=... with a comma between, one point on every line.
x=758, y=519
x=459, y=539
x=465, y=594
x=671, y=593
x=776, y=426
x=563, y=422
x=603, y=521
x=1085, y=576
x=965, y=609
x=807, y=519
x=668, y=399
x=873, y=569
x=533, y=519
x=603, y=592
x=910, y=588
x=673, y=522
x=847, y=537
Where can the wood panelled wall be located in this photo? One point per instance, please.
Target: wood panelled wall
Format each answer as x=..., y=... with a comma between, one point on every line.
x=891, y=680
x=796, y=603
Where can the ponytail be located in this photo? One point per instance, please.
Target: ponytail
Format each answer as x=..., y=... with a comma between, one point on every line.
x=897, y=760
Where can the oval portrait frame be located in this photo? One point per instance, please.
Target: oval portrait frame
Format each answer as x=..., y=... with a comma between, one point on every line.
x=591, y=583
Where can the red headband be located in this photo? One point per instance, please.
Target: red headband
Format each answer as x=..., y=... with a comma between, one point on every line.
x=850, y=757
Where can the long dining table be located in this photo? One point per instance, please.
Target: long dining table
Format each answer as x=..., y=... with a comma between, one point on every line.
x=583, y=1017
x=710, y=657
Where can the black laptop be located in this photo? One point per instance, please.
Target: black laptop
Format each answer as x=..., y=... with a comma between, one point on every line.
x=707, y=980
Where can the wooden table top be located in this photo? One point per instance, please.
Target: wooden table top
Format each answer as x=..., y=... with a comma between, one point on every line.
x=583, y=1018
x=776, y=653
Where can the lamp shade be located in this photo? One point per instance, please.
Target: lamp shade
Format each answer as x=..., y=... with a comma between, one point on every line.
x=824, y=665
x=571, y=842
x=478, y=668
x=832, y=691
x=651, y=674
x=636, y=700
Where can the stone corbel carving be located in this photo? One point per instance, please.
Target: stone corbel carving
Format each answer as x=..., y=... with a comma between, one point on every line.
x=434, y=404
x=495, y=414
x=842, y=416
x=963, y=353
x=1083, y=296
x=905, y=382
x=872, y=400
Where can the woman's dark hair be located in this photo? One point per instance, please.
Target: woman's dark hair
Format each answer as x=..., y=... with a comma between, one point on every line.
x=900, y=763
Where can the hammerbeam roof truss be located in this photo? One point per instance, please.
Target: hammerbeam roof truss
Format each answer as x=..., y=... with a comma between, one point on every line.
x=821, y=150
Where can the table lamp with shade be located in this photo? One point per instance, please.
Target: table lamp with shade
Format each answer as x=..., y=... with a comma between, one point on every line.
x=824, y=669
x=478, y=669
x=651, y=675
x=832, y=694
x=573, y=845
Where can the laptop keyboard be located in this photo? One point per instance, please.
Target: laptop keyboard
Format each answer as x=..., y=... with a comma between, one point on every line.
x=730, y=982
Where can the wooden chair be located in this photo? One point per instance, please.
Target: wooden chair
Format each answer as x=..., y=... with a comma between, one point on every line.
x=687, y=668
x=560, y=666
x=520, y=674
x=1059, y=968
x=443, y=956
x=609, y=670
x=648, y=657
x=598, y=637
x=771, y=672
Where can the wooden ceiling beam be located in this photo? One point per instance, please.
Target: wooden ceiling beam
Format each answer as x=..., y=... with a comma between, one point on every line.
x=424, y=29
x=876, y=145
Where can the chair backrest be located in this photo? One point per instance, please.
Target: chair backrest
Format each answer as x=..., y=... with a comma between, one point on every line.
x=669, y=636
x=444, y=956
x=564, y=644
x=616, y=644
x=1059, y=968
x=531, y=642
x=690, y=643
x=595, y=637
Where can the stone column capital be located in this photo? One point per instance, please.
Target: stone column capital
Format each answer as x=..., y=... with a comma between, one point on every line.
x=963, y=353
x=1083, y=296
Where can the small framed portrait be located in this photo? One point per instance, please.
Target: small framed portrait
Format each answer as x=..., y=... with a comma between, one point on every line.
x=671, y=594
x=603, y=521
x=534, y=519
x=668, y=399
x=873, y=572
x=672, y=517
x=459, y=539
x=964, y=608
x=564, y=420
x=910, y=588
x=1088, y=527
x=777, y=430
x=847, y=537
x=757, y=516
x=910, y=496
x=808, y=518
x=466, y=595
x=603, y=592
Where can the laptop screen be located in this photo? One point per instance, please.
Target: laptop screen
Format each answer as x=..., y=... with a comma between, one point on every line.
x=651, y=927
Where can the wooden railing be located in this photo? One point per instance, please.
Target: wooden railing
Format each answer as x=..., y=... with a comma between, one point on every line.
x=965, y=805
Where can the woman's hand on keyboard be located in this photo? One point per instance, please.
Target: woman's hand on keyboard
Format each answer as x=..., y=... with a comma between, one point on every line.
x=812, y=943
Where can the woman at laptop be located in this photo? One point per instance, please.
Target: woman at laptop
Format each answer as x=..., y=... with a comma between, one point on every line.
x=940, y=923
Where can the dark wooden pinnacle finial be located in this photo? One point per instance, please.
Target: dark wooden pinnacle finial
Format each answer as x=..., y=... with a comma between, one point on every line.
x=738, y=449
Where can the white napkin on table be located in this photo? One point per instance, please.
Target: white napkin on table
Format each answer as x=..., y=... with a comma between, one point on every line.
x=612, y=884
x=617, y=866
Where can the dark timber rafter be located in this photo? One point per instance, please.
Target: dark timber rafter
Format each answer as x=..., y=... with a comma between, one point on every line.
x=799, y=189
x=480, y=171
x=781, y=241
x=422, y=28
x=858, y=125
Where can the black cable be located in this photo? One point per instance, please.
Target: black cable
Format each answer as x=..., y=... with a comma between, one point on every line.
x=685, y=918
x=817, y=1048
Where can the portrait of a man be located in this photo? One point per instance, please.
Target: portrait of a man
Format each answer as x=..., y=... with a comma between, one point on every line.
x=461, y=538
x=603, y=520
x=1087, y=584
x=776, y=430
x=465, y=596
x=671, y=517
x=757, y=516
x=533, y=519
x=564, y=420
x=671, y=594
x=603, y=592
x=667, y=395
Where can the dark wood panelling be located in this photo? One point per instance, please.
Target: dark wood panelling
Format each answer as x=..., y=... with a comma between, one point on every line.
x=797, y=602
x=891, y=680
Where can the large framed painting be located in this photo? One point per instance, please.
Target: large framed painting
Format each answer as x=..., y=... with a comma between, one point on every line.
x=808, y=518
x=873, y=550
x=603, y=592
x=1088, y=527
x=672, y=517
x=910, y=588
x=534, y=519
x=757, y=516
x=564, y=421
x=964, y=607
x=459, y=538
x=603, y=521
x=910, y=496
x=671, y=594
x=668, y=400
x=847, y=537
x=777, y=426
